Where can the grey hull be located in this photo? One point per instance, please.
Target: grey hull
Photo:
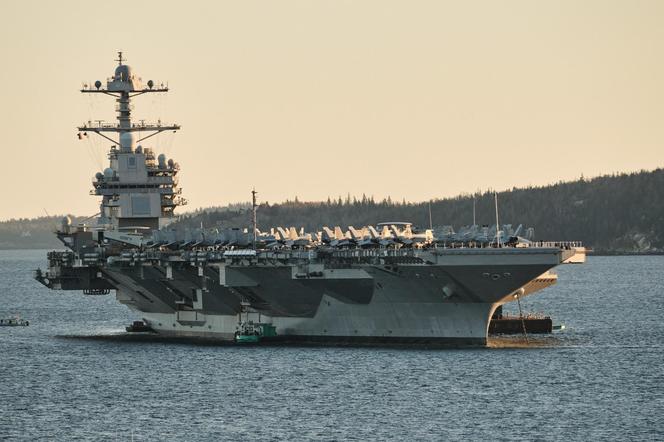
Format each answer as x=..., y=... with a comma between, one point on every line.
x=445, y=304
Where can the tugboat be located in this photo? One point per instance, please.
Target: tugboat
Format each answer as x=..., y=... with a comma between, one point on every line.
x=16, y=321
x=250, y=332
x=247, y=333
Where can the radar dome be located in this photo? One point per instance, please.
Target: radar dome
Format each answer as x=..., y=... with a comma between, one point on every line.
x=170, y=163
x=150, y=84
x=108, y=172
x=97, y=84
x=123, y=73
x=162, y=161
x=139, y=149
x=99, y=176
x=127, y=141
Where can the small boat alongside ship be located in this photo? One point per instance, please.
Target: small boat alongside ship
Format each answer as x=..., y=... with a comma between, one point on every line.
x=139, y=327
x=252, y=332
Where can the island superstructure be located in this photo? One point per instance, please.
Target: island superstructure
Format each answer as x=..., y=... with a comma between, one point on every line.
x=137, y=189
x=390, y=283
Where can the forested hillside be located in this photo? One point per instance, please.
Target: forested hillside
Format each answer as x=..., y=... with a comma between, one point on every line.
x=35, y=233
x=617, y=213
x=613, y=213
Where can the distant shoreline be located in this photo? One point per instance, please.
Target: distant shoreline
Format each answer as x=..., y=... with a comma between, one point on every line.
x=619, y=253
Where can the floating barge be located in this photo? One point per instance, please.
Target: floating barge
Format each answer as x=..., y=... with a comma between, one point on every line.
x=514, y=325
x=511, y=325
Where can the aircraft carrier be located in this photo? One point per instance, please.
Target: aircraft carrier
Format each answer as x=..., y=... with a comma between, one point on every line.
x=388, y=283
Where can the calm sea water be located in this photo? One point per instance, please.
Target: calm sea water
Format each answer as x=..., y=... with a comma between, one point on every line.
x=601, y=378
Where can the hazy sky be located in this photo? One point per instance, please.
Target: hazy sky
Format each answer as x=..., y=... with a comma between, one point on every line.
x=414, y=99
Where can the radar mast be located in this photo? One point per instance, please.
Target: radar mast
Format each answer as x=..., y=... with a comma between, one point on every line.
x=136, y=191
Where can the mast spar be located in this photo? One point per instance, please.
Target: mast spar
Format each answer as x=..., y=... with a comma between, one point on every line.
x=254, y=206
